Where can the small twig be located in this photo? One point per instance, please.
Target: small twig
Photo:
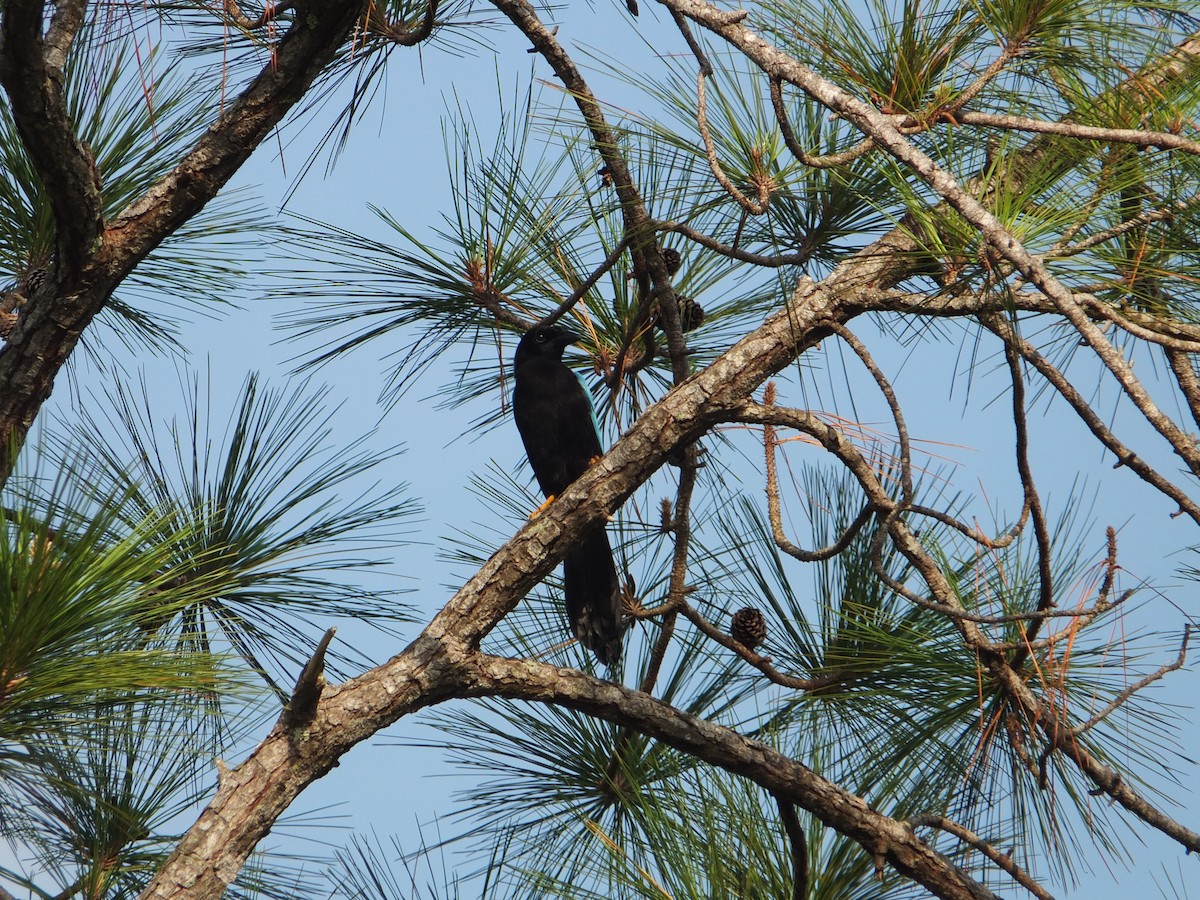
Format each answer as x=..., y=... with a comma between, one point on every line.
x=589, y=282
x=1110, y=566
x=1008, y=53
x=1138, y=685
x=1166, y=341
x=1062, y=250
x=797, y=844
x=885, y=387
x=693, y=45
x=762, y=663
x=827, y=161
x=753, y=207
x=710, y=243
x=309, y=686
x=1003, y=860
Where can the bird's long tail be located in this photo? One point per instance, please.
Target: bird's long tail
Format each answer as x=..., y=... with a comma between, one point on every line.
x=592, y=595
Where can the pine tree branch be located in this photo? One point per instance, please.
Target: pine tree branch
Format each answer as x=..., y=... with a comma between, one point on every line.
x=1003, y=860
x=880, y=835
x=92, y=260
x=31, y=70
x=1156, y=139
x=873, y=123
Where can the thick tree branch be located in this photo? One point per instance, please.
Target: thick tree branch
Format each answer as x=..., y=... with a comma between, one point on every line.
x=32, y=73
x=882, y=836
x=93, y=259
x=251, y=797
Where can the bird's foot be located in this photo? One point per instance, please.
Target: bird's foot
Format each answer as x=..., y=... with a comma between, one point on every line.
x=541, y=509
x=593, y=460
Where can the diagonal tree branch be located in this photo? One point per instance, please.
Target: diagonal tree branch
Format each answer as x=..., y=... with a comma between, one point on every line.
x=92, y=258
x=31, y=70
x=873, y=123
x=882, y=836
x=251, y=797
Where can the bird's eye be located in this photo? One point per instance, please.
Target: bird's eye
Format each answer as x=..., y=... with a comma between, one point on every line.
x=541, y=337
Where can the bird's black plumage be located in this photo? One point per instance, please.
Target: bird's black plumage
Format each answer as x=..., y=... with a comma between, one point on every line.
x=554, y=415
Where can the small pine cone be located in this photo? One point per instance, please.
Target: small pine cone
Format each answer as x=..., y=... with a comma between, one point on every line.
x=691, y=313
x=34, y=280
x=749, y=627
x=8, y=322
x=672, y=258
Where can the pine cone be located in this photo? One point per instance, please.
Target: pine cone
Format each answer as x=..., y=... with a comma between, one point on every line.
x=34, y=280
x=8, y=322
x=691, y=313
x=749, y=627
x=672, y=258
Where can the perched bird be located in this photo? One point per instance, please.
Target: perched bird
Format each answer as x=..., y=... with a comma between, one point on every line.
x=554, y=414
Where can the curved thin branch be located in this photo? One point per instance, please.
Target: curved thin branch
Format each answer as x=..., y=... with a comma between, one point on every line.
x=1003, y=860
x=974, y=534
x=885, y=388
x=826, y=161
x=1125, y=457
x=755, y=207
x=774, y=513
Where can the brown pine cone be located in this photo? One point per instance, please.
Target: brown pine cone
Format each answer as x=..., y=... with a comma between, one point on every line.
x=749, y=627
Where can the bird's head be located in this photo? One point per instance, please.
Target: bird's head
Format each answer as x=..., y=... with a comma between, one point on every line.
x=542, y=341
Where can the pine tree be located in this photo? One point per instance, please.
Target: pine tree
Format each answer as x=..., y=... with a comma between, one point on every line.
x=814, y=252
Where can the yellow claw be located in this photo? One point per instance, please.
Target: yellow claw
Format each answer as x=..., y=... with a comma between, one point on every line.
x=541, y=509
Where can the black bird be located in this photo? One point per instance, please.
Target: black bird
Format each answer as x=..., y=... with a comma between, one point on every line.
x=554, y=414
